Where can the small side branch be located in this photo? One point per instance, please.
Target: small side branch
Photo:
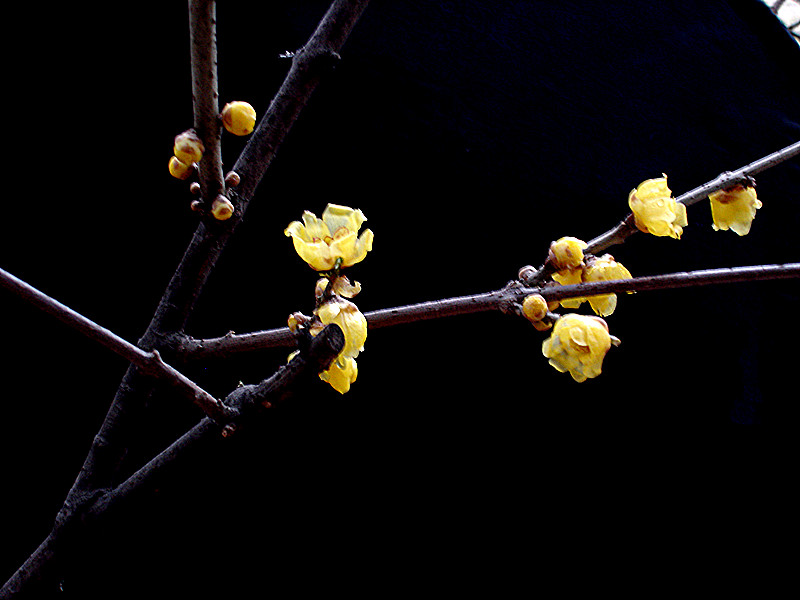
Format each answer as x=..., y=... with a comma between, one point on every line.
x=205, y=94
x=148, y=362
x=84, y=517
x=622, y=231
x=731, y=178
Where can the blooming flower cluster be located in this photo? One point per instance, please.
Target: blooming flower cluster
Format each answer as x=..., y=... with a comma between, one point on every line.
x=581, y=269
x=578, y=344
x=328, y=245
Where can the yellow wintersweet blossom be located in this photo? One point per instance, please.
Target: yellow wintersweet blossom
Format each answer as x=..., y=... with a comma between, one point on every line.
x=570, y=277
x=567, y=253
x=343, y=370
x=347, y=316
x=734, y=208
x=656, y=211
x=341, y=373
x=604, y=268
x=578, y=345
x=320, y=242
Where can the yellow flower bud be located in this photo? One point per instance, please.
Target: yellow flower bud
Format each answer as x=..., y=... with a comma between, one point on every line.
x=188, y=147
x=567, y=253
x=734, y=209
x=239, y=118
x=655, y=210
x=578, y=345
x=534, y=307
x=178, y=169
x=221, y=208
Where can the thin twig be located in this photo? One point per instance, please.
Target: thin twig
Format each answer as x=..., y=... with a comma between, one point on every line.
x=205, y=94
x=673, y=281
x=627, y=227
x=149, y=362
x=497, y=300
x=87, y=513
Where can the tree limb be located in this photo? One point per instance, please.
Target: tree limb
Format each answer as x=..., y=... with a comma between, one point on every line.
x=627, y=227
x=148, y=362
x=205, y=94
x=503, y=299
x=77, y=522
x=110, y=444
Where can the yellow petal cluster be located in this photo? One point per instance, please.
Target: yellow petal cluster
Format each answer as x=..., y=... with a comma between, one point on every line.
x=341, y=373
x=567, y=253
x=347, y=316
x=655, y=210
x=343, y=370
x=320, y=242
x=604, y=268
x=578, y=345
x=734, y=208
x=570, y=277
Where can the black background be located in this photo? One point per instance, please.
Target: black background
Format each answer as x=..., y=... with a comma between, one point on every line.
x=471, y=135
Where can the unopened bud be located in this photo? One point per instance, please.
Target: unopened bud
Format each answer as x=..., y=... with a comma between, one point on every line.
x=567, y=253
x=534, y=307
x=188, y=147
x=527, y=272
x=221, y=208
x=179, y=169
x=239, y=118
x=232, y=179
x=194, y=188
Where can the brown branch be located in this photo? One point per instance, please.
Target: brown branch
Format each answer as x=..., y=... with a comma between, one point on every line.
x=193, y=349
x=627, y=227
x=87, y=513
x=205, y=94
x=148, y=362
x=671, y=281
x=210, y=238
